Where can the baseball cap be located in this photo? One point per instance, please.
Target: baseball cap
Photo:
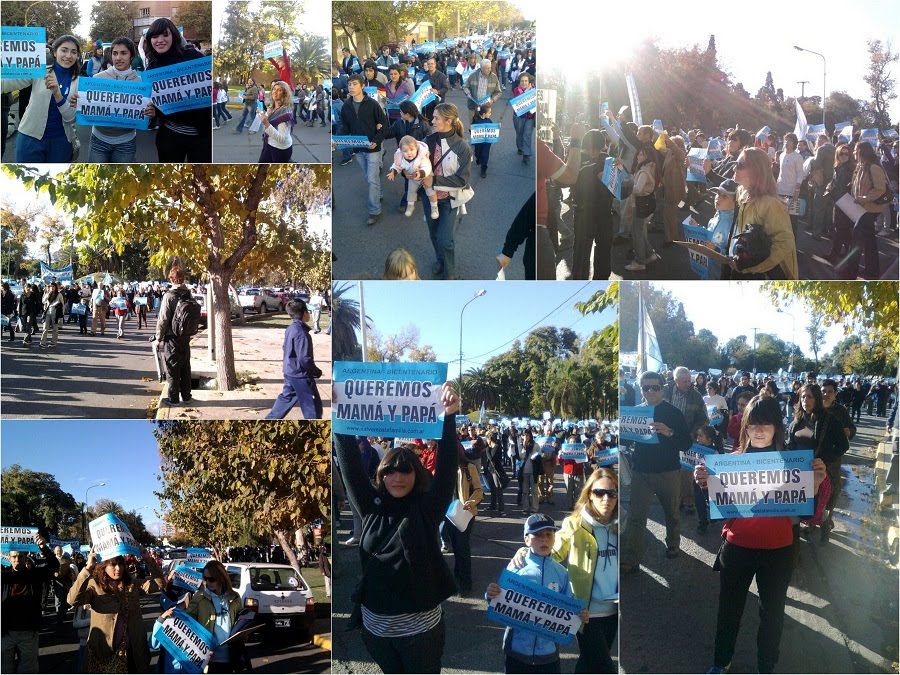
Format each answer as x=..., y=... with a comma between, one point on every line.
x=539, y=521
x=728, y=187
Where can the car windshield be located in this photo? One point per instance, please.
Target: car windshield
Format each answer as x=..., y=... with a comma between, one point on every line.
x=274, y=579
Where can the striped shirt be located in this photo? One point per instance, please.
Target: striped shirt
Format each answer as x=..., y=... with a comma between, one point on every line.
x=400, y=625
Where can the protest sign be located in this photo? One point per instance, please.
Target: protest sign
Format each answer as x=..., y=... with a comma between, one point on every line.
x=870, y=136
x=424, y=95
x=73, y=544
x=613, y=177
x=694, y=456
x=78, y=309
x=763, y=133
x=524, y=103
x=698, y=235
x=18, y=538
x=748, y=485
x=812, y=134
x=890, y=134
x=606, y=456
x=846, y=133
x=575, y=451
x=56, y=273
x=189, y=643
x=526, y=605
x=199, y=555
x=394, y=103
x=714, y=148
x=703, y=250
x=118, y=303
x=457, y=515
x=389, y=399
x=657, y=126
x=182, y=86
x=484, y=133
x=695, y=171
x=634, y=424
x=714, y=414
x=111, y=537
x=24, y=55
x=273, y=49
x=187, y=578
x=547, y=444
x=341, y=142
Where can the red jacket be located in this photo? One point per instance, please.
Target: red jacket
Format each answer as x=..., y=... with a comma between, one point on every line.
x=572, y=467
x=284, y=71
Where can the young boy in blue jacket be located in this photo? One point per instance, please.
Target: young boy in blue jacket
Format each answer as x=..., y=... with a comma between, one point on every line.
x=528, y=652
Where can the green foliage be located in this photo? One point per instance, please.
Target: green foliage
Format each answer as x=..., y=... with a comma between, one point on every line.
x=196, y=17
x=345, y=321
x=404, y=346
x=222, y=480
x=34, y=498
x=59, y=18
x=112, y=19
x=132, y=519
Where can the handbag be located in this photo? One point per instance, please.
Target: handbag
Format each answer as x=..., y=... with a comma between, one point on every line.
x=888, y=195
x=644, y=205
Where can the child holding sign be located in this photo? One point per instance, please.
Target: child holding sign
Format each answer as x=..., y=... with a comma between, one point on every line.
x=761, y=547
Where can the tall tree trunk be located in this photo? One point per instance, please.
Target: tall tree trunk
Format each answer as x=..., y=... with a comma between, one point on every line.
x=282, y=536
x=226, y=373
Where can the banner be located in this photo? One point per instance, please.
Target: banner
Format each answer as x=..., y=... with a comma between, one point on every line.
x=112, y=103
x=634, y=424
x=715, y=148
x=182, y=86
x=526, y=605
x=199, y=555
x=341, y=142
x=846, y=133
x=110, y=538
x=800, y=126
x=694, y=456
x=18, y=538
x=633, y=99
x=613, y=177
x=118, y=303
x=812, y=135
x=484, y=133
x=186, y=640
x=24, y=53
x=574, y=451
x=870, y=136
x=73, y=544
x=423, y=96
x=389, y=399
x=715, y=414
x=188, y=578
x=273, y=49
x=763, y=133
x=748, y=485
x=55, y=274
x=79, y=309
x=695, y=171
x=606, y=456
x=524, y=103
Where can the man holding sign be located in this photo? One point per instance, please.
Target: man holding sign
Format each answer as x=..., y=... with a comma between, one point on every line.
x=656, y=470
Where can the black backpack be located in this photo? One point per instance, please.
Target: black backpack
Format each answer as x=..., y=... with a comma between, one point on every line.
x=186, y=318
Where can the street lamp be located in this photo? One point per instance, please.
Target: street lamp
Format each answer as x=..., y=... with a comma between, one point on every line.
x=793, y=335
x=84, y=511
x=477, y=295
x=801, y=49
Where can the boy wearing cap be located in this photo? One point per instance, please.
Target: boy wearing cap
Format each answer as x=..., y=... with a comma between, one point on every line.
x=528, y=652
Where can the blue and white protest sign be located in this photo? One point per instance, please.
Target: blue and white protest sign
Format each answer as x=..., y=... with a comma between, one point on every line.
x=573, y=451
x=715, y=148
x=182, y=86
x=187, y=578
x=189, y=643
x=657, y=126
x=698, y=235
x=763, y=134
x=524, y=103
x=341, y=142
x=715, y=415
x=394, y=103
x=604, y=106
x=388, y=399
x=869, y=136
x=484, y=133
x=113, y=103
x=747, y=485
x=812, y=134
x=199, y=555
x=613, y=177
x=695, y=170
x=634, y=424
x=18, y=538
x=73, y=544
x=55, y=273
x=606, y=456
x=526, y=605
x=423, y=96
x=273, y=49
x=79, y=309
x=547, y=444
x=24, y=54
x=694, y=456
x=111, y=537
x=890, y=134
x=118, y=303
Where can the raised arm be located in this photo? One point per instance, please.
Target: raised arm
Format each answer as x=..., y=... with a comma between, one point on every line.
x=360, y=491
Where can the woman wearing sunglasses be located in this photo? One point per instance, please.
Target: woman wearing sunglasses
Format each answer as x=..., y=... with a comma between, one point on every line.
x=404, y=576
x=837, y=188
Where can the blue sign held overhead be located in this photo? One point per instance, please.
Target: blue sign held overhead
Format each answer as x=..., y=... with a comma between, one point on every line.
x=607, y=456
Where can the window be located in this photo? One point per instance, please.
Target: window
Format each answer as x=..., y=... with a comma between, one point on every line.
x=145, y=11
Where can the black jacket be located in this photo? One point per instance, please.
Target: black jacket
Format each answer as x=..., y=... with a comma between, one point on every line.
x=366, y=123
x=663, y=456
x=830, y=440
x=23, y=593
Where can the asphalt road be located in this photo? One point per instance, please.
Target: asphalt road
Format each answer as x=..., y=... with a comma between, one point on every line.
x=360, y=251
x=312, y=145
x=841, y=614
x=473, y=644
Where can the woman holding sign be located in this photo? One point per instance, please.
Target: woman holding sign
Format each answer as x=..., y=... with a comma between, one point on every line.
x=117, y=642
x=524, y=124
x=761, y=547
x=278, y=121
x=404, y=576
x=185, y=135
x=399, y=87
x=47, y=129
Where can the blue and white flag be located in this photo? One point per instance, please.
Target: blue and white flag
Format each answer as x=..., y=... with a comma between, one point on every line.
x=24, y=54
x=484, y=133
x=694, y=456
x=189, y=643
x=634, y=424
x=182, y=86
x=111, y=537
x=524, y=103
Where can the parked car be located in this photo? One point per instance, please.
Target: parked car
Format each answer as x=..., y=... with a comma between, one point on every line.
x=259, y=299
x=232, y=296
x=280, y=596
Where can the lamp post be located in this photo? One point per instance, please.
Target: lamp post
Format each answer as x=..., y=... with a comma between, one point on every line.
x=801, y=49
x=793, y=335
x=84, y=512
x=477, y=295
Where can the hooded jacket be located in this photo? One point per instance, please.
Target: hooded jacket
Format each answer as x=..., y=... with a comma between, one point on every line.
x=590, y=552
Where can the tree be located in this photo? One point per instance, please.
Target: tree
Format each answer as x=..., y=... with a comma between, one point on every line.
x=59, y=18
x=310, y=60
x=881, y=85
x=34, y=498
x=397, y=347
x=241, y=43
x=479, y=386
x=280, y=16
x=220, y=479
x=196, y=17
x=132, y=519
x=113, y=19
x=210, y=216
x=816, y=332
x=345, y=322
x=51, y=230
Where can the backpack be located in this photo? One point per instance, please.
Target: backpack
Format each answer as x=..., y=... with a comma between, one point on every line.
x=186, y=318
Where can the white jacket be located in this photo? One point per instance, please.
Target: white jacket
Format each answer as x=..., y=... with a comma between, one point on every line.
x=34, y=122
x=790, y=173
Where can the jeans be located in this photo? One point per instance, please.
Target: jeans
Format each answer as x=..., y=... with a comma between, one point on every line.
x=530, y=491
x=482, y=152
x=666, y=485
x=642, y=248
x=772, y=568
x=25, y=642
x=370, y=163
x=701, y=502
x=413, y=654
x=524, y=134
x=443, y=236
x=300, y=391
x=272, y=155
x=574, y=483
x=50, y=327
x=248, y=111
x=56, y=150
x=112, y=153
x=462, y=554
x=594, y=642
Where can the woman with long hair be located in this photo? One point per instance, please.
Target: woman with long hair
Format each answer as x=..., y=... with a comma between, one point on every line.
x=185, y=135
x=404, y=576
x=117, y=642
x=837, y=188
x=644, y=187
x=531, y=471
x=52, y=300
x=278, y=121
x=46, y=132
x=869, y=185
x=398, y=86
x=760, y=547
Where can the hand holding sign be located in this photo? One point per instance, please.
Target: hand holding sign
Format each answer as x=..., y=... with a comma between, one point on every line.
x=449, y=399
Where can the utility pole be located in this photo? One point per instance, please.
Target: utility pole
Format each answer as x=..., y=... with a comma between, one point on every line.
x=802, y=84
x=754, y=350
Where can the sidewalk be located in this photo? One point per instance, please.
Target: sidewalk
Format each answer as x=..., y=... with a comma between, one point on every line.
x=311, y=145
x=258, y=358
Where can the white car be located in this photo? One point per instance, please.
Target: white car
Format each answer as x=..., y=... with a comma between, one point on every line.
x=260, y=299
x=278, y=594
x=201, y=299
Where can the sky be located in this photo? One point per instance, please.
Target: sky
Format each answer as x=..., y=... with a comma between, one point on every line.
x=121, y=453
x=749, y=42
x=491, y=322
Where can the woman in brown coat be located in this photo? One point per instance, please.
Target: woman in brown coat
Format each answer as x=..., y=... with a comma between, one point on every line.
x=868, y=186
x=674, y=186
x=117, y=641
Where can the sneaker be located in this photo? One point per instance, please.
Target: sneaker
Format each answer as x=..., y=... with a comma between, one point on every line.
x=437, y=268
x=187, y=399
x=352, y=541
x=345, y=162
x=435, y=214
x=655, y=258
x=524, y=159
x=409, y=209
x=519, y=151
x=635, y=266
x=172, y=401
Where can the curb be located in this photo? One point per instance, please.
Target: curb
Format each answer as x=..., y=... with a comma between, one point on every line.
x=322, y=641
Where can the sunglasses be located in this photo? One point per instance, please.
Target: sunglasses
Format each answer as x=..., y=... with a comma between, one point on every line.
x=650, y=387
x=740, y=166
x=601, y=492
x=396, y=469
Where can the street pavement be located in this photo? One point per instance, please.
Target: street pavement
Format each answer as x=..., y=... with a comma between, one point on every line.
x=841, y=614
x=360, y=250
x=473, y=644
x=312, y=145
